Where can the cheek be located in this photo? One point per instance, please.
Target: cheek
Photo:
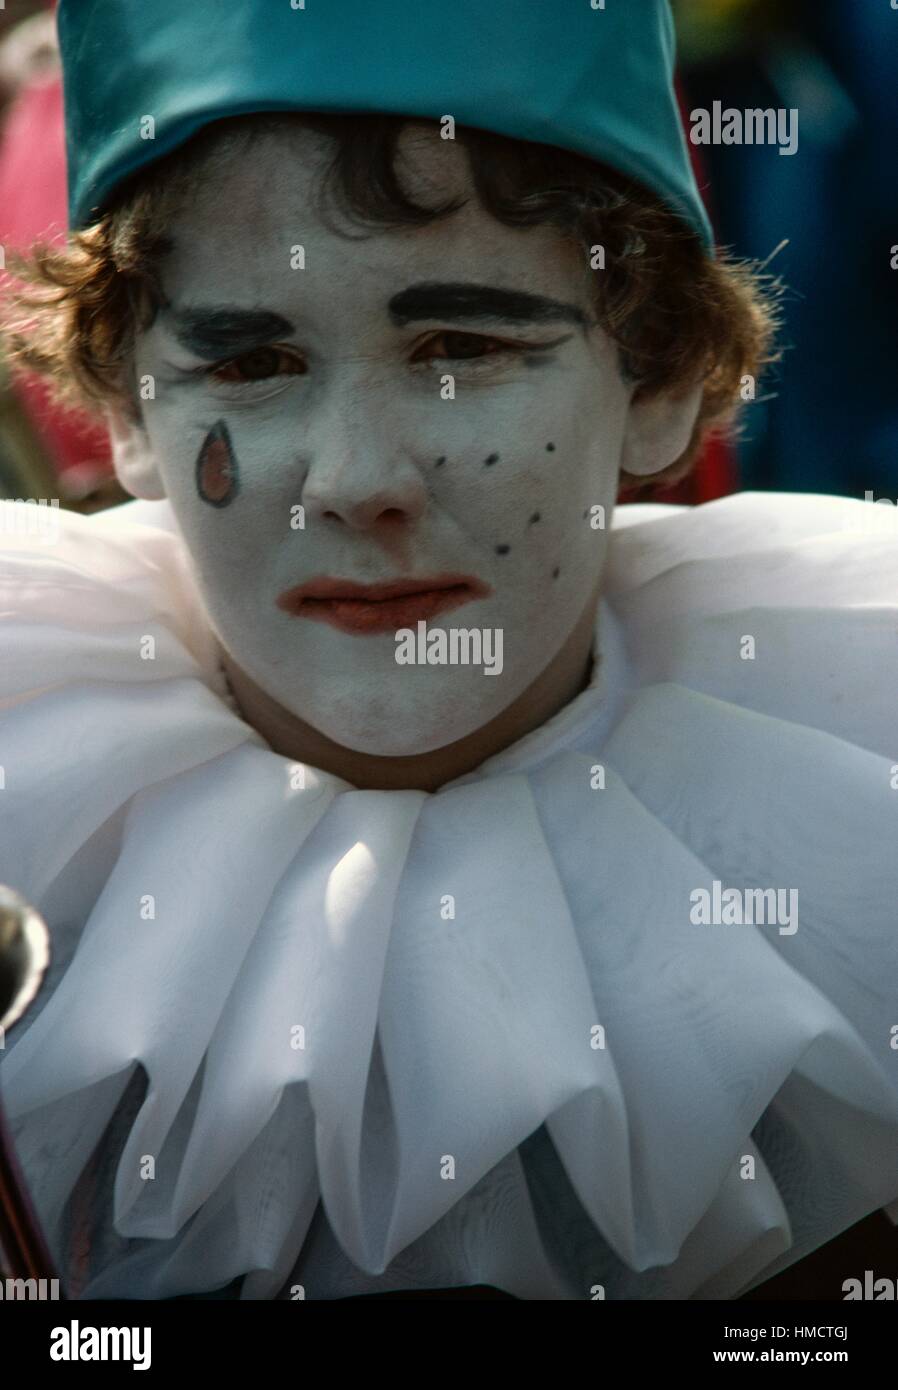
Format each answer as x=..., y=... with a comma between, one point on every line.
x=210, y=465
x=527, y=490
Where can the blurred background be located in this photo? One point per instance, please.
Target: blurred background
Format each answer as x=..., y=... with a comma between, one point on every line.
x=826, y=419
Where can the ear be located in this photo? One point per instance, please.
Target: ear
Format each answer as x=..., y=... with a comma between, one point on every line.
x=658, y=431
x=132, y=456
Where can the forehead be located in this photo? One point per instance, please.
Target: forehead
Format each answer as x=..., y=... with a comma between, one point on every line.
x=251, y=207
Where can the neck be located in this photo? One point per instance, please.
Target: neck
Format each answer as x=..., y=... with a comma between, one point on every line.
x=566, y=676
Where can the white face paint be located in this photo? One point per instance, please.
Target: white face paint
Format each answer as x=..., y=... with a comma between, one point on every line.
x=348, y=421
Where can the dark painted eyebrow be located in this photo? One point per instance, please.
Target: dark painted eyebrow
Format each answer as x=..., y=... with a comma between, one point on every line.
x=479, y=303
x=225, y=328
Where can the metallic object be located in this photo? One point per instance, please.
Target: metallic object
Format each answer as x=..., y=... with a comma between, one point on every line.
x=24, y=957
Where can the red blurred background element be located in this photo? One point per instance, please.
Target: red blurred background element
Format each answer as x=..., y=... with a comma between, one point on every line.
x=33, y=204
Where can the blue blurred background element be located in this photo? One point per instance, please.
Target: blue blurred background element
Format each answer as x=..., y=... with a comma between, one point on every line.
x=832, y=424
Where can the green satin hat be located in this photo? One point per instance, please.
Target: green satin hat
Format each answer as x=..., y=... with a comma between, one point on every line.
x=559, y=72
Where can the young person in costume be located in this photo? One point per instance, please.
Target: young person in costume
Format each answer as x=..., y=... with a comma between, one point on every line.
x=572, y=970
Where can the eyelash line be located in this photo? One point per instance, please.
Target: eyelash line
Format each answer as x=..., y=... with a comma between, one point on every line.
x=207, y=370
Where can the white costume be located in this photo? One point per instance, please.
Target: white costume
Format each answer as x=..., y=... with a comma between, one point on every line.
x=480, y=1026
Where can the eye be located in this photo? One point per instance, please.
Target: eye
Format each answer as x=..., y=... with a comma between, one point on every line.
x=463, y=347
x=259, y=364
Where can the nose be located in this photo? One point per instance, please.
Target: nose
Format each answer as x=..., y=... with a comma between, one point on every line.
x=359, y=474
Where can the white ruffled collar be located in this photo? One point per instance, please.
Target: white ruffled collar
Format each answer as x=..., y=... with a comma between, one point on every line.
x=448, y=957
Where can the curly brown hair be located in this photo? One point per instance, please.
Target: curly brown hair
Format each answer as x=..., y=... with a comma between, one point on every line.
x=679, y=316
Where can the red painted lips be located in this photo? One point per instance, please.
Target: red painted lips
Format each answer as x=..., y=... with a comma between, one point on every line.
x=373, y=608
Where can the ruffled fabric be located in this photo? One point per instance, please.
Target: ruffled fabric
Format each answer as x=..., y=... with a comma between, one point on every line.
x=326, y=1041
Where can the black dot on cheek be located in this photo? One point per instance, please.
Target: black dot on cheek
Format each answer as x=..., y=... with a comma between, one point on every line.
x=502, y=549
x=493, y=458
x=440, y=460
x=556, y=571
x=550, y=448
x=535, y=517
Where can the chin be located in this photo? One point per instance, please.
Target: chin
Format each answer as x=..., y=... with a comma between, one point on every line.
x=405, y=715
x=393, y=731
x=393, y=739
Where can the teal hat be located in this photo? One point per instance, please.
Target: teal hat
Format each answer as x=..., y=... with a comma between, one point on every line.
x=598, y=81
